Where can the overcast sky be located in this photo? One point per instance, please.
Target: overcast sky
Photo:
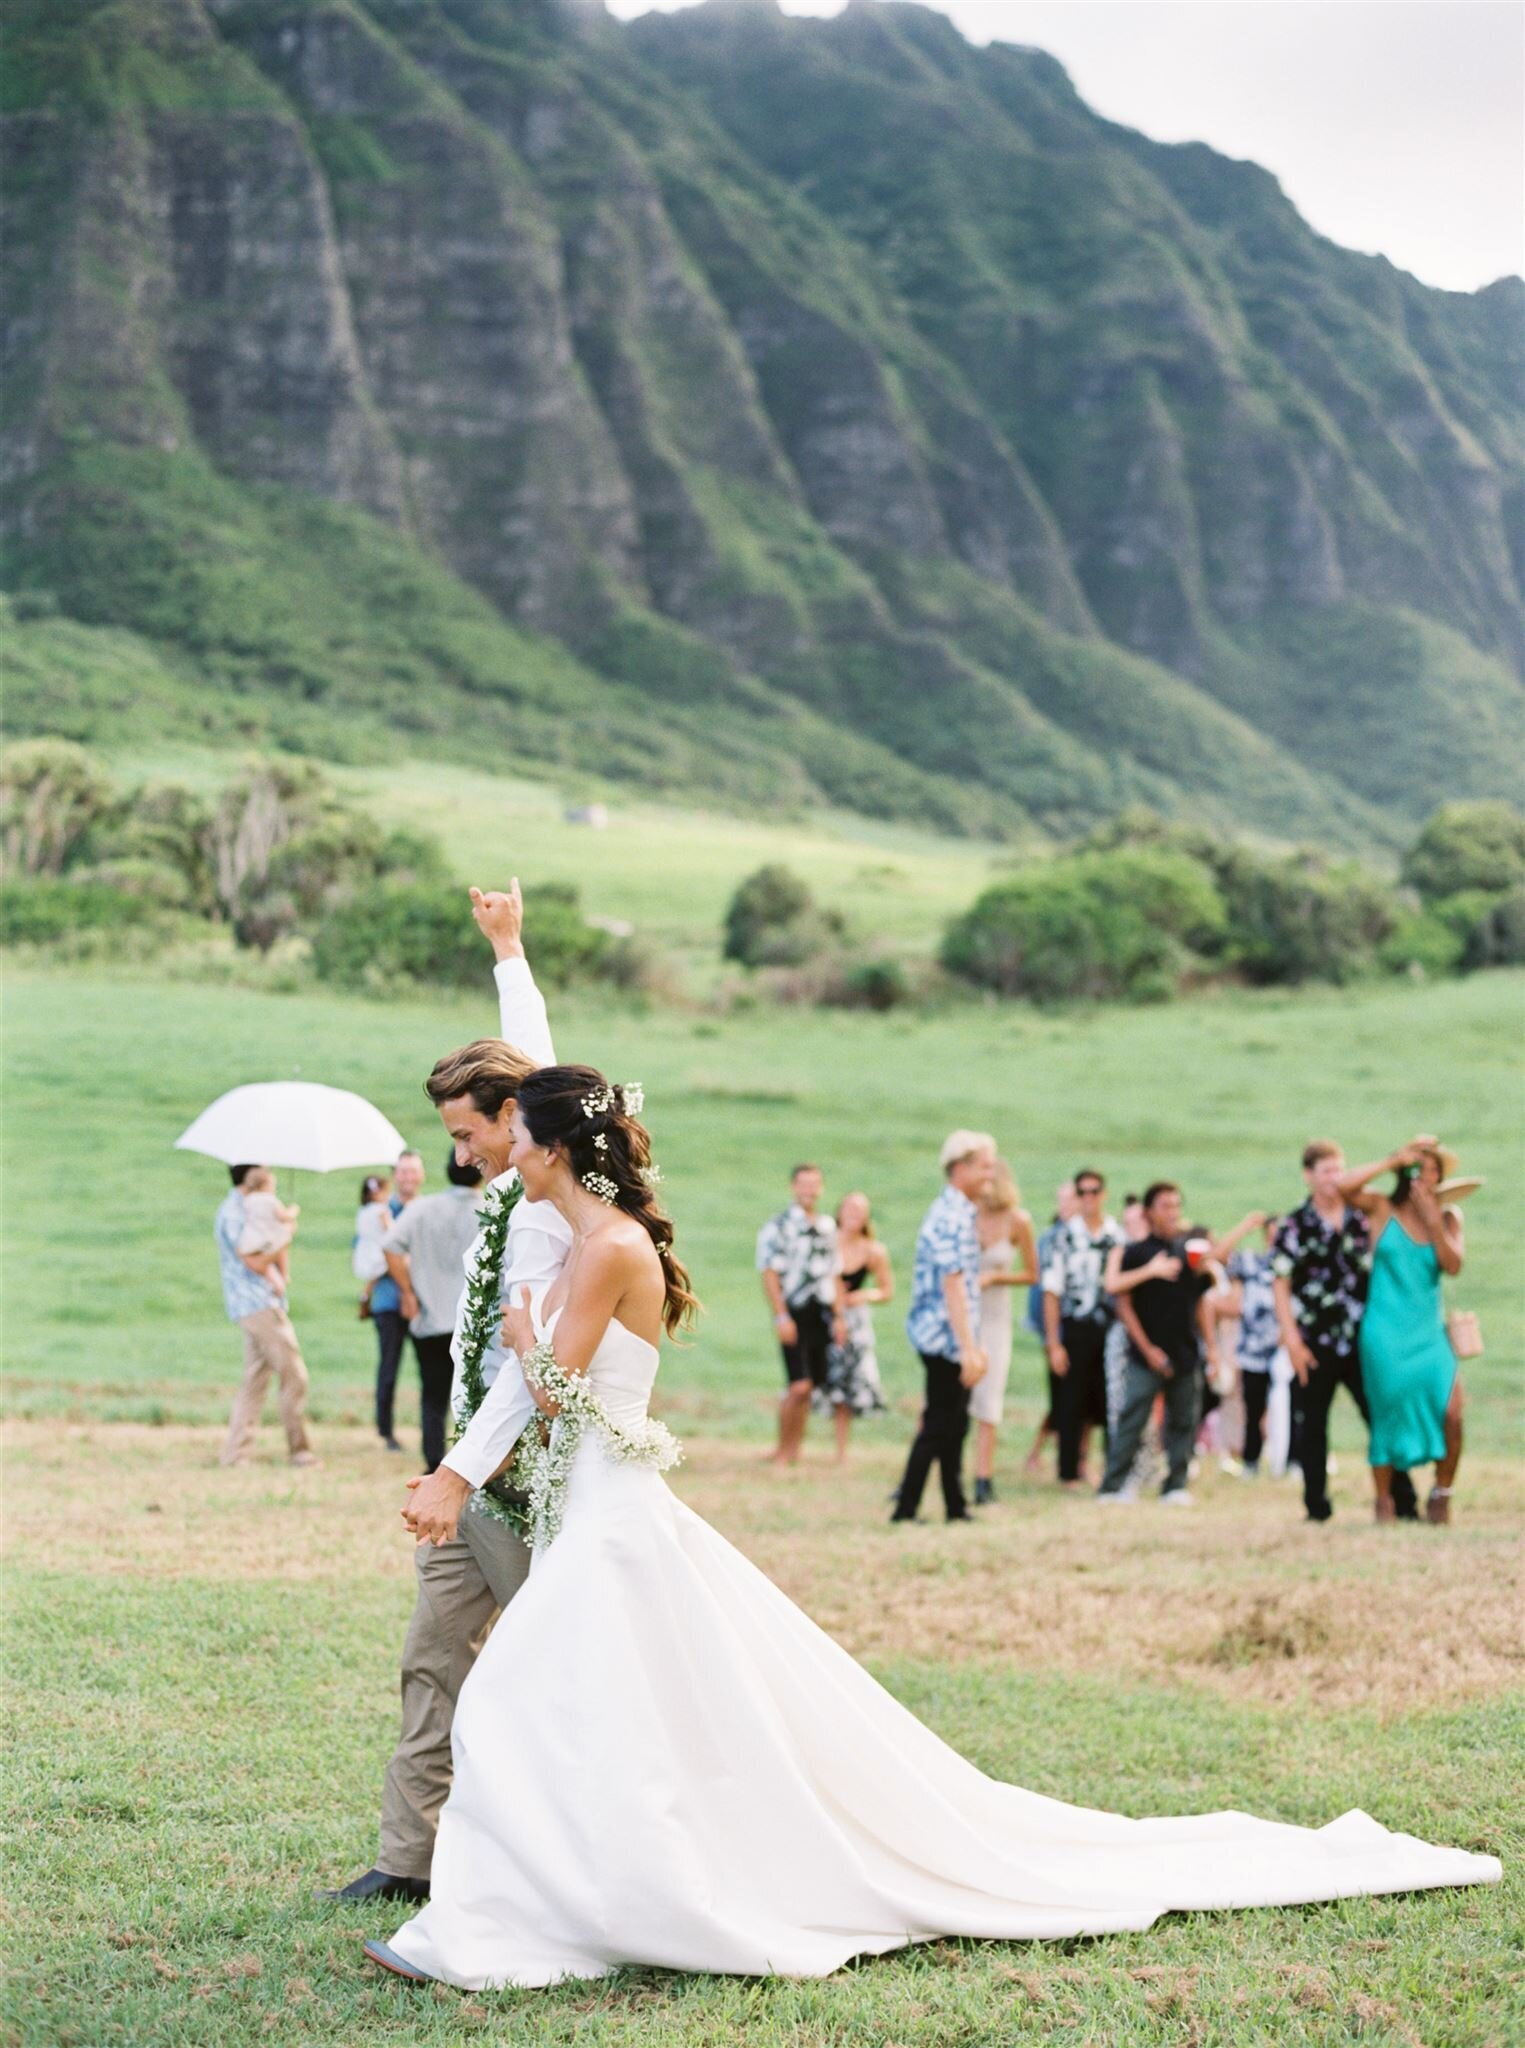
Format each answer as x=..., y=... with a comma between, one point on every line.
x=1394, y=125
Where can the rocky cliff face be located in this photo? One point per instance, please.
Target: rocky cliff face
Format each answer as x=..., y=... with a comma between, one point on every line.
x=781, y=367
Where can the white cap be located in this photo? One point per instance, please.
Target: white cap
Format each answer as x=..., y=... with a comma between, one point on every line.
x=960, y=1144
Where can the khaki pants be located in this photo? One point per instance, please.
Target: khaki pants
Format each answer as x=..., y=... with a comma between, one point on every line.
x=270, y=1346
x=462, y=1588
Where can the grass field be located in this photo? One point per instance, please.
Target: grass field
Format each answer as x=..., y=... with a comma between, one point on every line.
x=201, y=1666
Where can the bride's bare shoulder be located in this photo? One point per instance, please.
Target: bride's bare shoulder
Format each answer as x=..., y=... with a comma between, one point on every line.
x=623, y=1245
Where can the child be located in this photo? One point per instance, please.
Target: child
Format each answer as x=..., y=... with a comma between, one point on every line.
x=369, y=1261
x=269, y=1225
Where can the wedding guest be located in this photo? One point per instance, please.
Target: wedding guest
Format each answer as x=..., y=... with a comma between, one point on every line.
x=1169, y=1333
x=1077, y=1314
x=386, y=1305
x=270, y=1342
x=944, y=1322
x=1321, y=1253
x=865, y=1280
x=269, y=1225
x=1008, y=1259
x=1066, y=1205
x=797, y=1258
x=426, y=1253
x=1252, y=1279
x=368, y=1262
x=1407, y=1365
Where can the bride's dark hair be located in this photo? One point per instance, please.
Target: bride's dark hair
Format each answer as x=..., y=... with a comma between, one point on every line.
x=608, y=1142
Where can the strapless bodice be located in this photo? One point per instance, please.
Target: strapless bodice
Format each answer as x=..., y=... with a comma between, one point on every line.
x=622, y=1371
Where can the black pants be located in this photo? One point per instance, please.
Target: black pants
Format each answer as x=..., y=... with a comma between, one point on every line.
x=805, y=1358
x=1255, y=1391
x=436, y=1369
x=1310, y=1415
x=391, y=1331
x=944, y=1425
x=1080, y=1396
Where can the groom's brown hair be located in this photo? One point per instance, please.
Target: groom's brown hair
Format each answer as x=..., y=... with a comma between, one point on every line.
x=489, y=1070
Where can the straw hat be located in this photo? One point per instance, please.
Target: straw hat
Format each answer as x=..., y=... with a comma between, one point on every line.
x=1449, y=1163
x=1459, y=1186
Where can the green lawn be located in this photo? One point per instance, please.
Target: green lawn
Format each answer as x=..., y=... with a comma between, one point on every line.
x=202, y=1666
x=110, y=1281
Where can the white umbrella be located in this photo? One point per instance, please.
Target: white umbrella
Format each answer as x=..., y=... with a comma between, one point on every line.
x=293, y=1123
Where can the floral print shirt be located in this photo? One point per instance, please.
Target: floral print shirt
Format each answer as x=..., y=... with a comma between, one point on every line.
x=1327, y=1267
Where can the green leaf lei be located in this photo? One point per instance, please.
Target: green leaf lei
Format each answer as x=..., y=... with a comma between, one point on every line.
x=484, y=1313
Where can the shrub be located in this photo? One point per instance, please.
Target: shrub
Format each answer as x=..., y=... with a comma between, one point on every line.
x=772, y=921
x=1498, y=938
x=392, y=930
x=1304, y=918
x=52, y=795
x=1468, y=846
x=1124, y=923
x=1424, y=942
x=45, y=911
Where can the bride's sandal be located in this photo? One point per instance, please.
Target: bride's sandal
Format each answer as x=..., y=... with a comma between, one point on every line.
x=1437, y=1508
x=389, y=1959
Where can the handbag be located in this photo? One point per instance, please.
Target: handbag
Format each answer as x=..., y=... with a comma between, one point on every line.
x=1465, y=1333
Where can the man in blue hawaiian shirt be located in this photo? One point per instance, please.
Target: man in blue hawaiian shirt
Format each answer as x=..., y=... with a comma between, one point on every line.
x=944, y=1322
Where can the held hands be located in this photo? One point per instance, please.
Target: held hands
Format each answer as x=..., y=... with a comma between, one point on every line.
x=434, y=1512
x=499, y=916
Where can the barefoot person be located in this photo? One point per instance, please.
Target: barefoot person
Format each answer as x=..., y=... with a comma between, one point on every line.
x=1008, y=1259
x=1407, y=1365
x=257, y=1303
x=470, y=1563
x=797, y=1258
x=865, y=1281
x=661, y=1763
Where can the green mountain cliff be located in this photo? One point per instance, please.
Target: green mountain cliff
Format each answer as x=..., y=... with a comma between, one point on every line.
x=776, y=410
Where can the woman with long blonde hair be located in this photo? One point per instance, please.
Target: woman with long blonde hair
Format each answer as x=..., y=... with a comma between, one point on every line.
x=1008, y=1260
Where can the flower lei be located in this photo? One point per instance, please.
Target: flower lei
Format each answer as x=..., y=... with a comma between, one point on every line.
x=479, y=1327
x=545, y=1466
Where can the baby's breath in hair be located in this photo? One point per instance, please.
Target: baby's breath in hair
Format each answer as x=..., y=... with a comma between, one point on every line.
x=601, y=1185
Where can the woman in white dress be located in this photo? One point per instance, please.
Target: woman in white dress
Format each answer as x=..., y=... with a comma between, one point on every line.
x=659, y=1760
x=1008, y=1260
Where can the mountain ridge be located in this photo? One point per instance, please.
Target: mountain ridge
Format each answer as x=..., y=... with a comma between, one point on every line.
x=764, y=378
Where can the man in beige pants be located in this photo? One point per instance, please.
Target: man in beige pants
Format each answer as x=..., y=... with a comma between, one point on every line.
x=469, y=1564
x=258, y=1307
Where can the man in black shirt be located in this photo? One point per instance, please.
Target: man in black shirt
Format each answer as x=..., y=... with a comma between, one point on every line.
x=1169, y=1331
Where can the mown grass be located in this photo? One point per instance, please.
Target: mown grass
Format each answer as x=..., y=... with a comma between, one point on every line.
x=112, y=1306
x=201, y=1699
x=202, y=1666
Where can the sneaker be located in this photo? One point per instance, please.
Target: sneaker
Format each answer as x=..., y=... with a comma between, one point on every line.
x=1249, y=1471
x=1231, y=1466
x=1178, y=1497
x=1123, y=1498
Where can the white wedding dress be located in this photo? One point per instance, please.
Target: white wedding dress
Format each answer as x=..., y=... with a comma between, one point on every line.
x=660, y=1760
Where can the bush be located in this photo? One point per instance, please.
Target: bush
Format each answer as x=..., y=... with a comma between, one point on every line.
x=52, y=796
x=46, y=911
x=390, y=931
x=1498, y=938
x=1468, y=846
x=1304, y=918
x=1124, y=923
x=772, y=921
x=1422, y=942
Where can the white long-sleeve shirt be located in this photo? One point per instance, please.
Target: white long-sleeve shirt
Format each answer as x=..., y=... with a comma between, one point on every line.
x=539, y=1238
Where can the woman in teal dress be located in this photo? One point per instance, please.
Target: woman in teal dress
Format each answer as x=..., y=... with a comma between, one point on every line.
x=1407, y=1364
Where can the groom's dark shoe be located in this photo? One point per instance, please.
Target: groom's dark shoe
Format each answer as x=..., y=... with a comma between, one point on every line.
x=379, y=1884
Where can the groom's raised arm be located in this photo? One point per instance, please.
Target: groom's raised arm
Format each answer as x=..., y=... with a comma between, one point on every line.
x=522, y=1021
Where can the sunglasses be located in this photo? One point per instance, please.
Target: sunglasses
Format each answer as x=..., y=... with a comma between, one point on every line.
x=1091, y=1187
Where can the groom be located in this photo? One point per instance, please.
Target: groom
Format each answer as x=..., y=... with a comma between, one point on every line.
x=469, y=1564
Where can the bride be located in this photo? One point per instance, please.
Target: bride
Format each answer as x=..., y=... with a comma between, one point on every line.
x=659, y=1760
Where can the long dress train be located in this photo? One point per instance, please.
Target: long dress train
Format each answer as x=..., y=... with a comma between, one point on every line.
x=660, y=1760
